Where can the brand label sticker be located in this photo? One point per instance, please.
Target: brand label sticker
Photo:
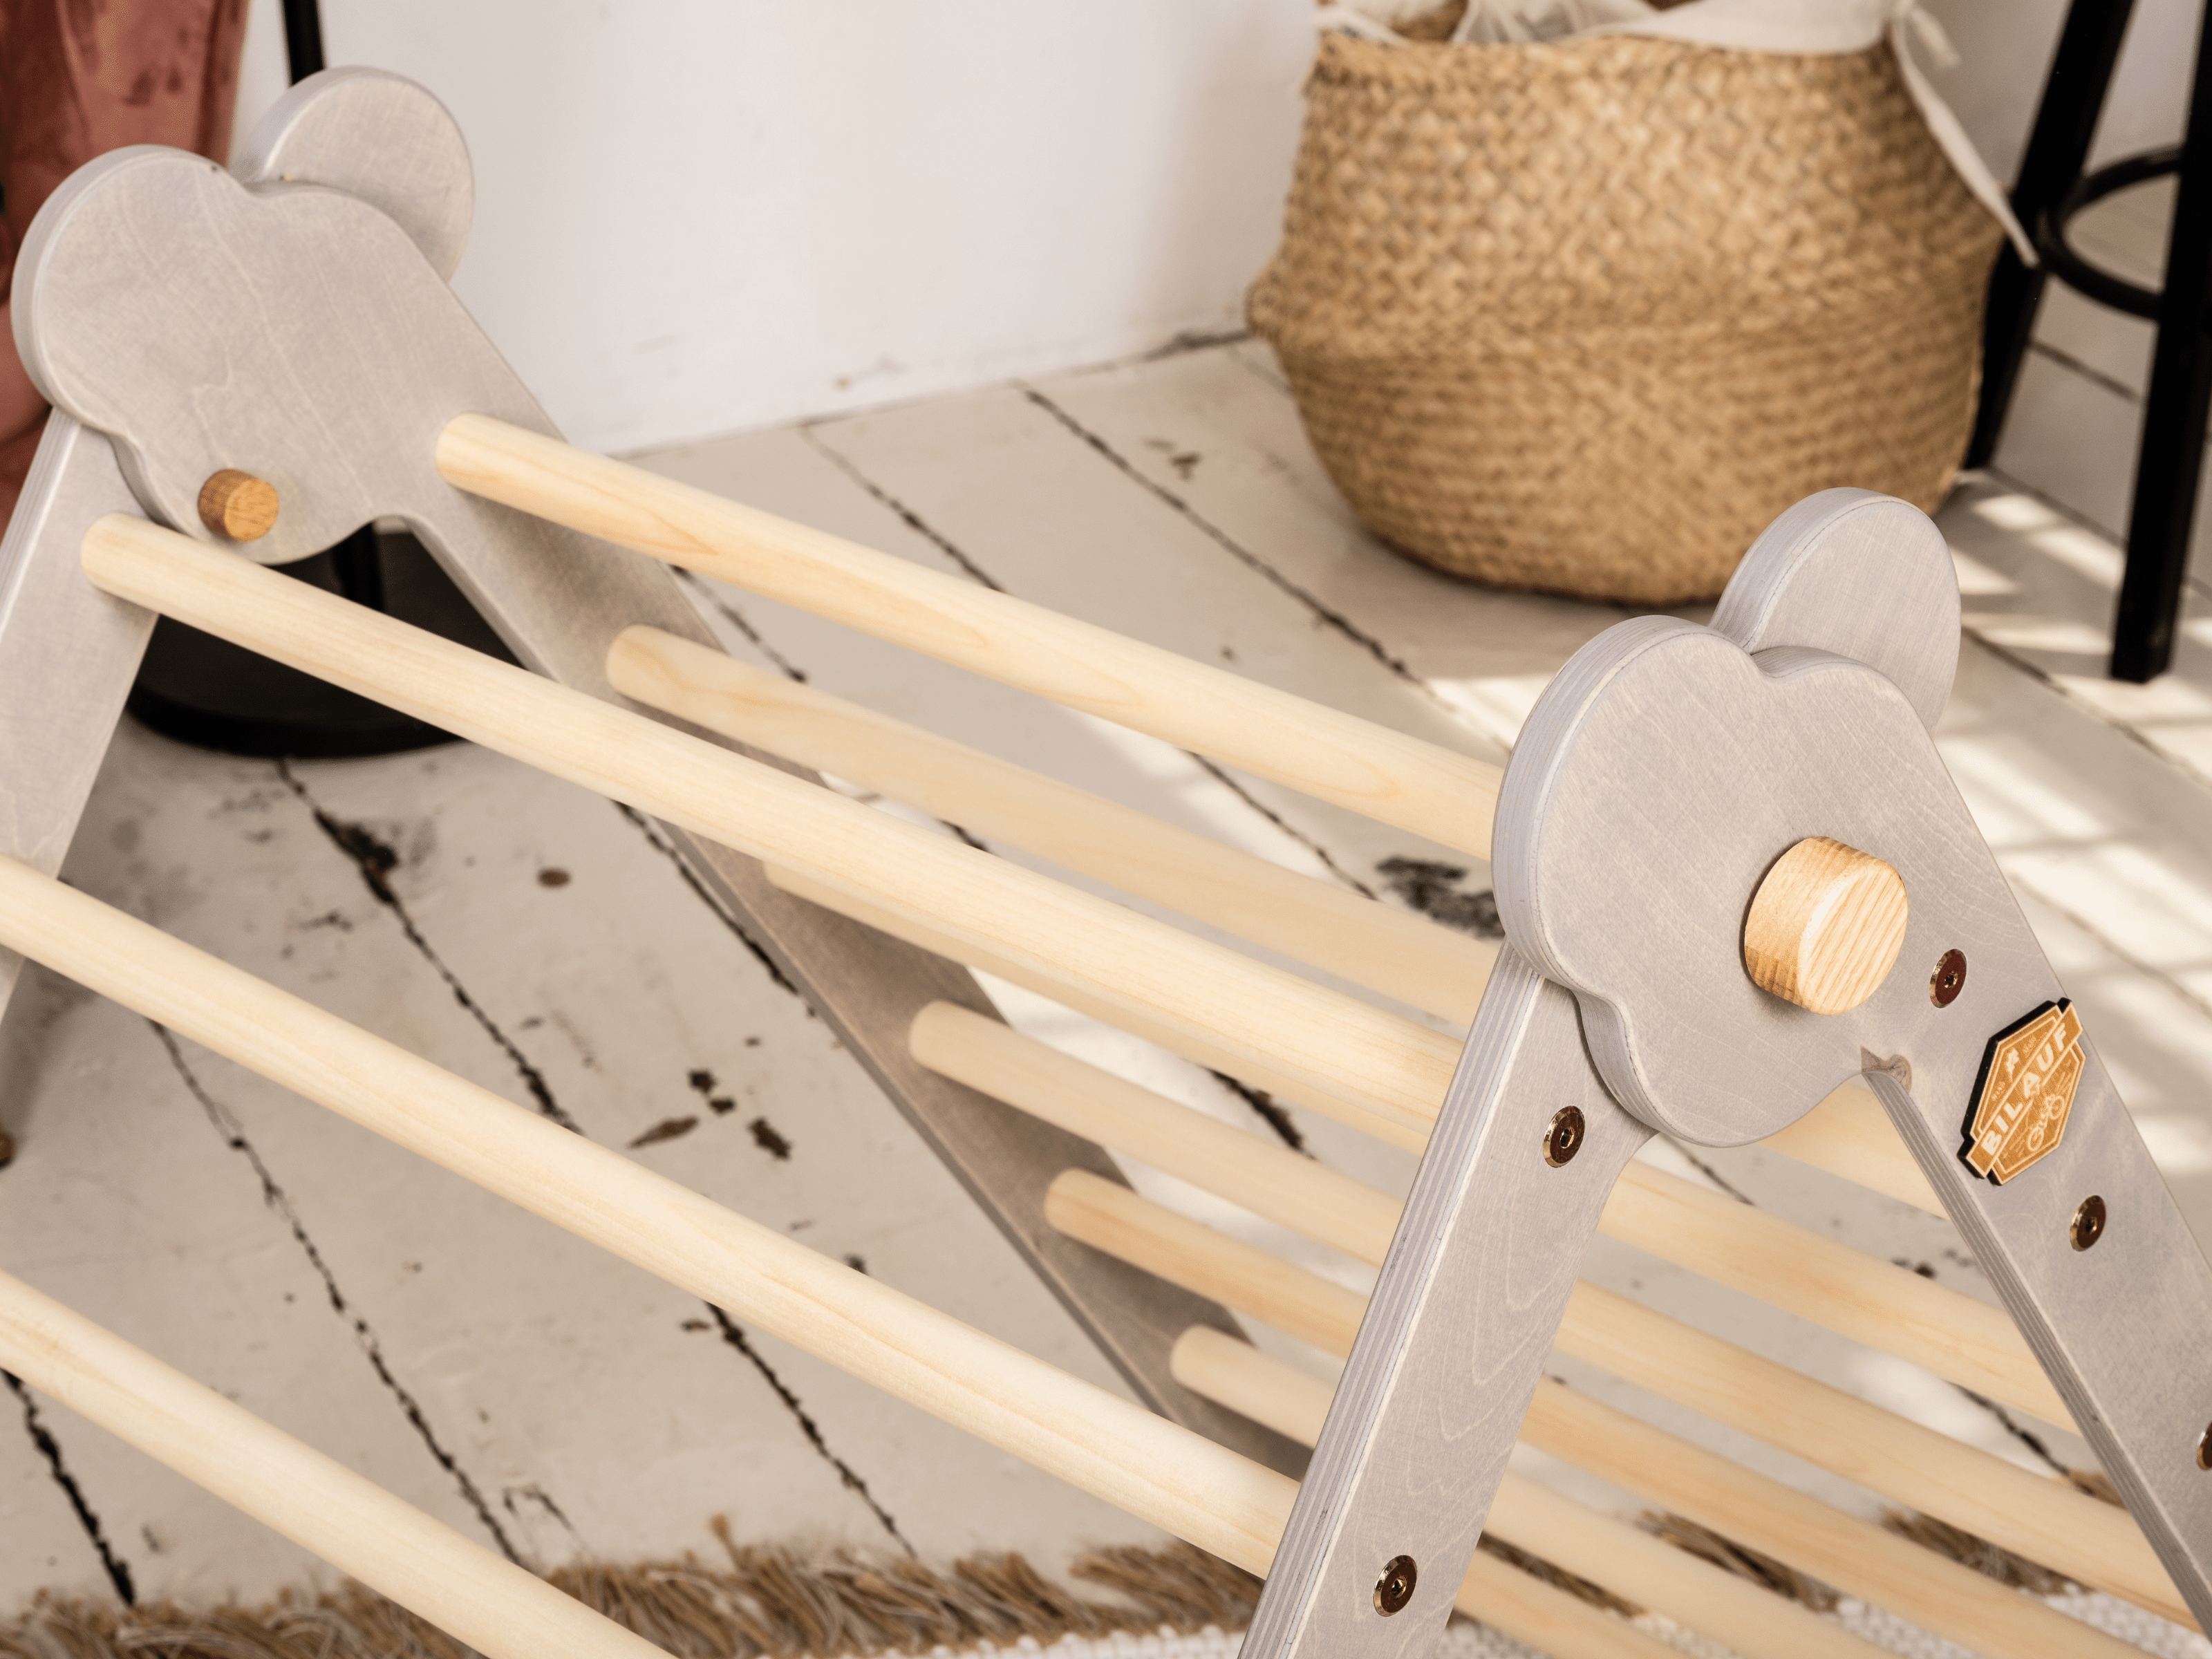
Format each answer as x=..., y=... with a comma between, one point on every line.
x=2024, y=1092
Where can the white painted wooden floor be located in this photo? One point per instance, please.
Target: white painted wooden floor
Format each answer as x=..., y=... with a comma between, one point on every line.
x=555, y=1404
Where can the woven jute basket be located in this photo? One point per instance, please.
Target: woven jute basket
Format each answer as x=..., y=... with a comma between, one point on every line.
x=1584, y=316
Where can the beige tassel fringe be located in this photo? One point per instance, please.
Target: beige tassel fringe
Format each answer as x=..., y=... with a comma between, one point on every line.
x=778, y=1603
x=767, y=1601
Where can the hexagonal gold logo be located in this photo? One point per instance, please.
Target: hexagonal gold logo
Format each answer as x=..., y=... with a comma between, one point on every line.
x=2024, y=1092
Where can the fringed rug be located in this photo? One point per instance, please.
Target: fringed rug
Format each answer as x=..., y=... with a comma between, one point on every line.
x=763, y=1603
x=781, y=1603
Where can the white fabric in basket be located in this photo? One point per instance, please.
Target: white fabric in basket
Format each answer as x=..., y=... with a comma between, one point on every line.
x=1776, y=25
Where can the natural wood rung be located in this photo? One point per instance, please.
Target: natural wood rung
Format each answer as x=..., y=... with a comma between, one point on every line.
x=1855, y=1556
x=1157, y=1470
x=1751, y=1250
x=501, y=1609
x=1622, y=1557
x=1395, y=951
x=1334, y=756
x=1331, y=1043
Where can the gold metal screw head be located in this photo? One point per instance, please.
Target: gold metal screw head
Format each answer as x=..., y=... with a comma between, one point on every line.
x=1948, y=978
x=237, y=505
x=2088, y=1223
x=1564, y=1137
x=1396, y=1587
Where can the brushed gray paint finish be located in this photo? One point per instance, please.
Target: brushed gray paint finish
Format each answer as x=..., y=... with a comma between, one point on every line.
x=298, y=332
x=379, y=136
x=1660, y=777
x=1454, y=1342
x=1864, y=576
x=67, y=652
x=2123, y=1328
x=1668, y=765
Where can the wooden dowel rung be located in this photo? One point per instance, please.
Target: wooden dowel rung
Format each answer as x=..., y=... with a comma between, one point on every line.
x=1157, y=1470
x=1970, y=1342
x=1849, y=1134
x=1390, y=950
x=1323, y=752
x=1269, y=1027
x=2042, y=1519
x=1268, y=1179
x=1855, y=1556
x=1624, y=1559
x=1548, y=1619
x=1161, y=1472
x=2045, y=1520
x=1369, y=1119
x=1888, y=1308
x=1332, y=1042
x=491, y=1604
x=1240, y=1275
x=1371, y=944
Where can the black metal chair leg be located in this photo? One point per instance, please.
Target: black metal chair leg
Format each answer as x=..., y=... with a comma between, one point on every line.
x=2015, y=290
x=2057, y=150
x=303, y=38
x=2174, y=414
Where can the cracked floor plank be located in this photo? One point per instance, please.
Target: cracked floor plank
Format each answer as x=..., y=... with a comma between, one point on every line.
x=280, y=1206
x=562, y=1380
x=51, y=1545
x=1480, y=653
x=377, y=860
x=378, y=863
x=640, y=985
x=48, y=1451
x=131, y=1212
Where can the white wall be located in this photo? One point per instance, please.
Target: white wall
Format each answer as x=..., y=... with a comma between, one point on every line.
x=699, y=216
x=695, y=217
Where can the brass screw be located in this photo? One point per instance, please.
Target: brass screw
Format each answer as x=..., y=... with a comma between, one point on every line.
x=1564, y=1137
x=237, y=505
x=2204, y=1449
x=1396, y=1587
x=1948, y=978
x=2088, y=1223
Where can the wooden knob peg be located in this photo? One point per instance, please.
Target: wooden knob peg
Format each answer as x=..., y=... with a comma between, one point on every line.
x=1824, y=925
x=238, y=506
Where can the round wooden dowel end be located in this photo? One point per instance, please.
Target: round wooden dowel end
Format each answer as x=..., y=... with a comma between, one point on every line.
x=1824, y=925
x=237, y=505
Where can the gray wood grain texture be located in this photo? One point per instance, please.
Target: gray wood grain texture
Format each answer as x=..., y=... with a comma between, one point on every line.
x=1455, y=1338
x=68, y=652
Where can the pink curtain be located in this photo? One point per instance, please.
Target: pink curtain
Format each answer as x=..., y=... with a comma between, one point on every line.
x=79, y=78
